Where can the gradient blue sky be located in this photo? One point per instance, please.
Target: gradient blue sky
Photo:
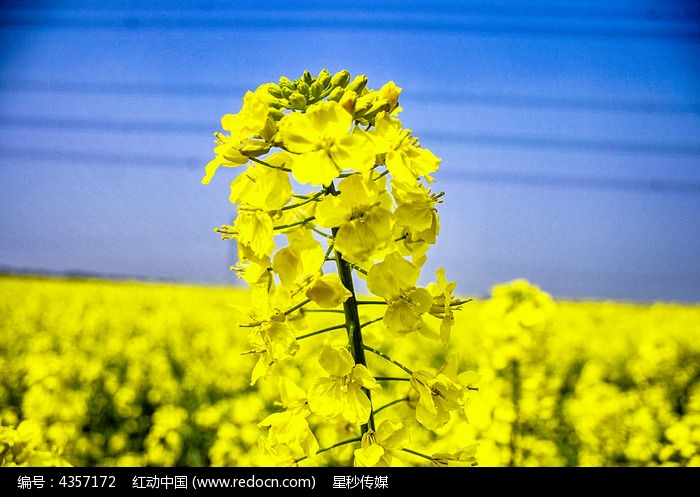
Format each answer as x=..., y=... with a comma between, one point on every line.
x=569, y=132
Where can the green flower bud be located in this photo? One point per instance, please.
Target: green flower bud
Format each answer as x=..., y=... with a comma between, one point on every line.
x=270, y=129
x=297, y=100
x=286, y=82
x=324, y=78
x=377, y=106
x=341, y=78
x=336, y=94
x=307, y=78
x=287, y=91
x=275, y=91
x=275, y=114
x=364, y=104
x=316, y=89
x=303, y=88
x=348, y=101
x=358, y=84
x=253, y=147
x=275, y=104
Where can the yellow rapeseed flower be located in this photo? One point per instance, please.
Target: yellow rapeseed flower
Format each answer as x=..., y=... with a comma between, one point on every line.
x=395, y=280
x=262, y=187
x=361, y=212
x=327, y=291
x=416, y=222
x=442, y=291
x=300, y=261
x=249, y=122
x=325, y=142
x=441, y=392
x=406, y=161
x=272, y=341
x=376, y=446
x=254, y=229
x=290, y=428
x=340, y=393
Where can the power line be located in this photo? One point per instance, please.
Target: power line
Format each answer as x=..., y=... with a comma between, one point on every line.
x=553, y=102
x=314, y=7
x=101, y=158
x=107, y=125
x=284, y=20
x=111, y=88
x=436, y=96
x=657, y=185
x=562, y=143
x=464, y=139
x=11, y=155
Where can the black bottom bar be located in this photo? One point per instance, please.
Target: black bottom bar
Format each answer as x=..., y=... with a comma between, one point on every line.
x=329, y=481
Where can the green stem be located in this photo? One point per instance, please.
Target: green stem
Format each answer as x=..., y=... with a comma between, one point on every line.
x=331, y=447
x=330, y=248
x=333, y=311
x=390, y=378
x=303, y=202
x=296, y=307
x=419, y=454
x=255, y=324
x=318, y=332
x=352, y=319
x=356, y=268
x=291, y=225
x=324, y=235
x=384, y=356
x=367, y=323
x=389, y=404
x=382, y=174
x=262, y=162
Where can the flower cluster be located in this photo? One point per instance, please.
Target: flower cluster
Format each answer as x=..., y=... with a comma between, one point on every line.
x=328, y=175
x=25, y=446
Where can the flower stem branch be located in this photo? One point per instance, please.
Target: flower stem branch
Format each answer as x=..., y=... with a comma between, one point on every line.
x=389, y=404
x=291, y=225
x=331, y=447
x=296, y=307
x=372, y=321
x=318, y=332
x=384, y=356
x=267, y=164
x=419, y=454
x=303, y=202
x=335, y=311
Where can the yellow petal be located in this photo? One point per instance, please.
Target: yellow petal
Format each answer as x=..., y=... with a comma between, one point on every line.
x=355, y=151
x=393, y=275
x=332, y=211
x=314, y=168
x=368, y=456
x=329, y=119
x=356, y=406
x=337, y=361
x=328, y=291
x=325, y=397
x=298, y=134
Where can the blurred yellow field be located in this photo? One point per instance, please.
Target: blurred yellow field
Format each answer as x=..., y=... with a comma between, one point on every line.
x=104, y=373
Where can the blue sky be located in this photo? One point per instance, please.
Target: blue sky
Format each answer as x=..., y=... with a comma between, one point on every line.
x=569, y=132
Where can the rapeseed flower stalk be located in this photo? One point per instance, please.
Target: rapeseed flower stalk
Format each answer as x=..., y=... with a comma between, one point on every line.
x=327, y=166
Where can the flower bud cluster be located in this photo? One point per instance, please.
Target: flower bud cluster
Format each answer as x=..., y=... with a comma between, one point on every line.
x=352, y=93
x=329, y=173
